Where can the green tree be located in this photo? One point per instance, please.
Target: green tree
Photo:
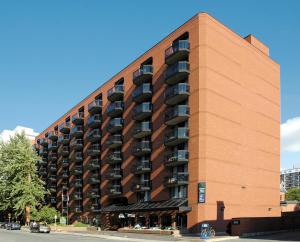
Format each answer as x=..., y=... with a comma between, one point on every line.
x=45, y=214
x=293, y=194
x=20, y=187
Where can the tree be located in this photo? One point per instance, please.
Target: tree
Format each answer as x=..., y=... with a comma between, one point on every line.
x=45, y=214
x=20, y=187
x=293, y=194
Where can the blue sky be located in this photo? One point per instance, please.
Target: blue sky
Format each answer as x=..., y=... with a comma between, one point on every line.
x=54, y=53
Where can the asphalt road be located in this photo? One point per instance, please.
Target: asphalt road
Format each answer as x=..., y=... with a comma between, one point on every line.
x=20, y=236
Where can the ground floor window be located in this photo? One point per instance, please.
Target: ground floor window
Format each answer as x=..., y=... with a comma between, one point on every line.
x=181, y=220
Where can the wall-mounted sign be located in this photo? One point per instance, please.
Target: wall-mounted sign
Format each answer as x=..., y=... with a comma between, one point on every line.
x=236, y=222
x=201, y=192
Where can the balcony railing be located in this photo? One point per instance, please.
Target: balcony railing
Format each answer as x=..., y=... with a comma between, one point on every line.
x=65, y=175
x=94, y=180
x=95, y=121
x=65, y=163
x=116, y=93
x=176, y=158
x=115, y=125
x=142, y=167
x=53, y=135
x=64, y=139
x=177, y=93
x=115, y=190
x=177, y=136
x=114, y=158
x=77, y=196
x=94, y=135
x=94, y=150
x=78, y=209
x=44, y=142
x=77, y=144
x=142, y=148
x=143, y=74
x=52, y=168
x=77, y=170
x=142, y=93
x=95, y=208
x=77, y=183
x=142, y=129
x=115, y=141
x=42, y=162
x=142, y=111
x=95, y=106
x=64, y=127
x=43, y=152
x=77, y=131
x=78, y=118
x=77, y=157
x=177, y=114
x=115, y=109
x=177, y=72
x=94, y=193
x=178, y=51
x=52, y=178
x=64, y=151
x=142, y=186
x=94, y=164
x=52, y=157
x=114, y=174
x=179, y=179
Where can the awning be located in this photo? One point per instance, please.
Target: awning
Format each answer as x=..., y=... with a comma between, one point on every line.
x=173, y=204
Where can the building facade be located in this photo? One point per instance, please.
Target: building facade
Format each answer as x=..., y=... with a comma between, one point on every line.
x=290, y=178
x=188, y=132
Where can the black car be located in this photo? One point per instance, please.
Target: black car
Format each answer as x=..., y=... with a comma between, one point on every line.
x=13, y=226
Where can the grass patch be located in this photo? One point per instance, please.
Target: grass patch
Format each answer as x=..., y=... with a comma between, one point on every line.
x=79, y=224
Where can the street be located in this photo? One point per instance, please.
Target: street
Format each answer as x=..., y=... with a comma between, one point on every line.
x=20, y=236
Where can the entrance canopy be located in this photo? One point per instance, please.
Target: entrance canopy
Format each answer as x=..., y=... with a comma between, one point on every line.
x=173, y=204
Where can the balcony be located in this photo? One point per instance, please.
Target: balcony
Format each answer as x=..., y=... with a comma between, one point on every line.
x=52, y=168
x=77, y=183
x=42, y=172
x=142, y=129
x=78, y=209
x=115, y=125
x=65, y=175
x=116, y=93
x=77, y=131
x=142, y=186
x=114, y=174
x=142, y=93
x=43, y=152
x=94, y=193
x=64, y=151
x=95, y=208
x=77, y=170
x=94, y=150
x=178, y=51
x=77, y=157
x=115, y=190
x=177, y=93
x=94, y=180
x=142, y=167
x=52, y=178
x=94, y=135
x=53, y=135
x=64, y=127
x=78, y=118
x=143, y=74
x=65, y=163
x=77, y=196
x=44, y=142
x=115, y=109
x=52, y=157
x=95, y=106
x=65, y=198
x=142, y=111
x=114, y=141
x=142, y=148
x=114, y=158
x=52, y=188
x=94, y=164
x=179, y=179
x=42, y=162
x=177, y=136
x=52, y=146
x=77, y=144
x=52, y=200
x=177, y=114
x=64, y=211
x=177, y=72
x=64, y=139
x=177, y=158
x=95, y=121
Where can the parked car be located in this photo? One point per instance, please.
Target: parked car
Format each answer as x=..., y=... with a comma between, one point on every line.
x=3, y=225
x=39, y=228
x=13, y=226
